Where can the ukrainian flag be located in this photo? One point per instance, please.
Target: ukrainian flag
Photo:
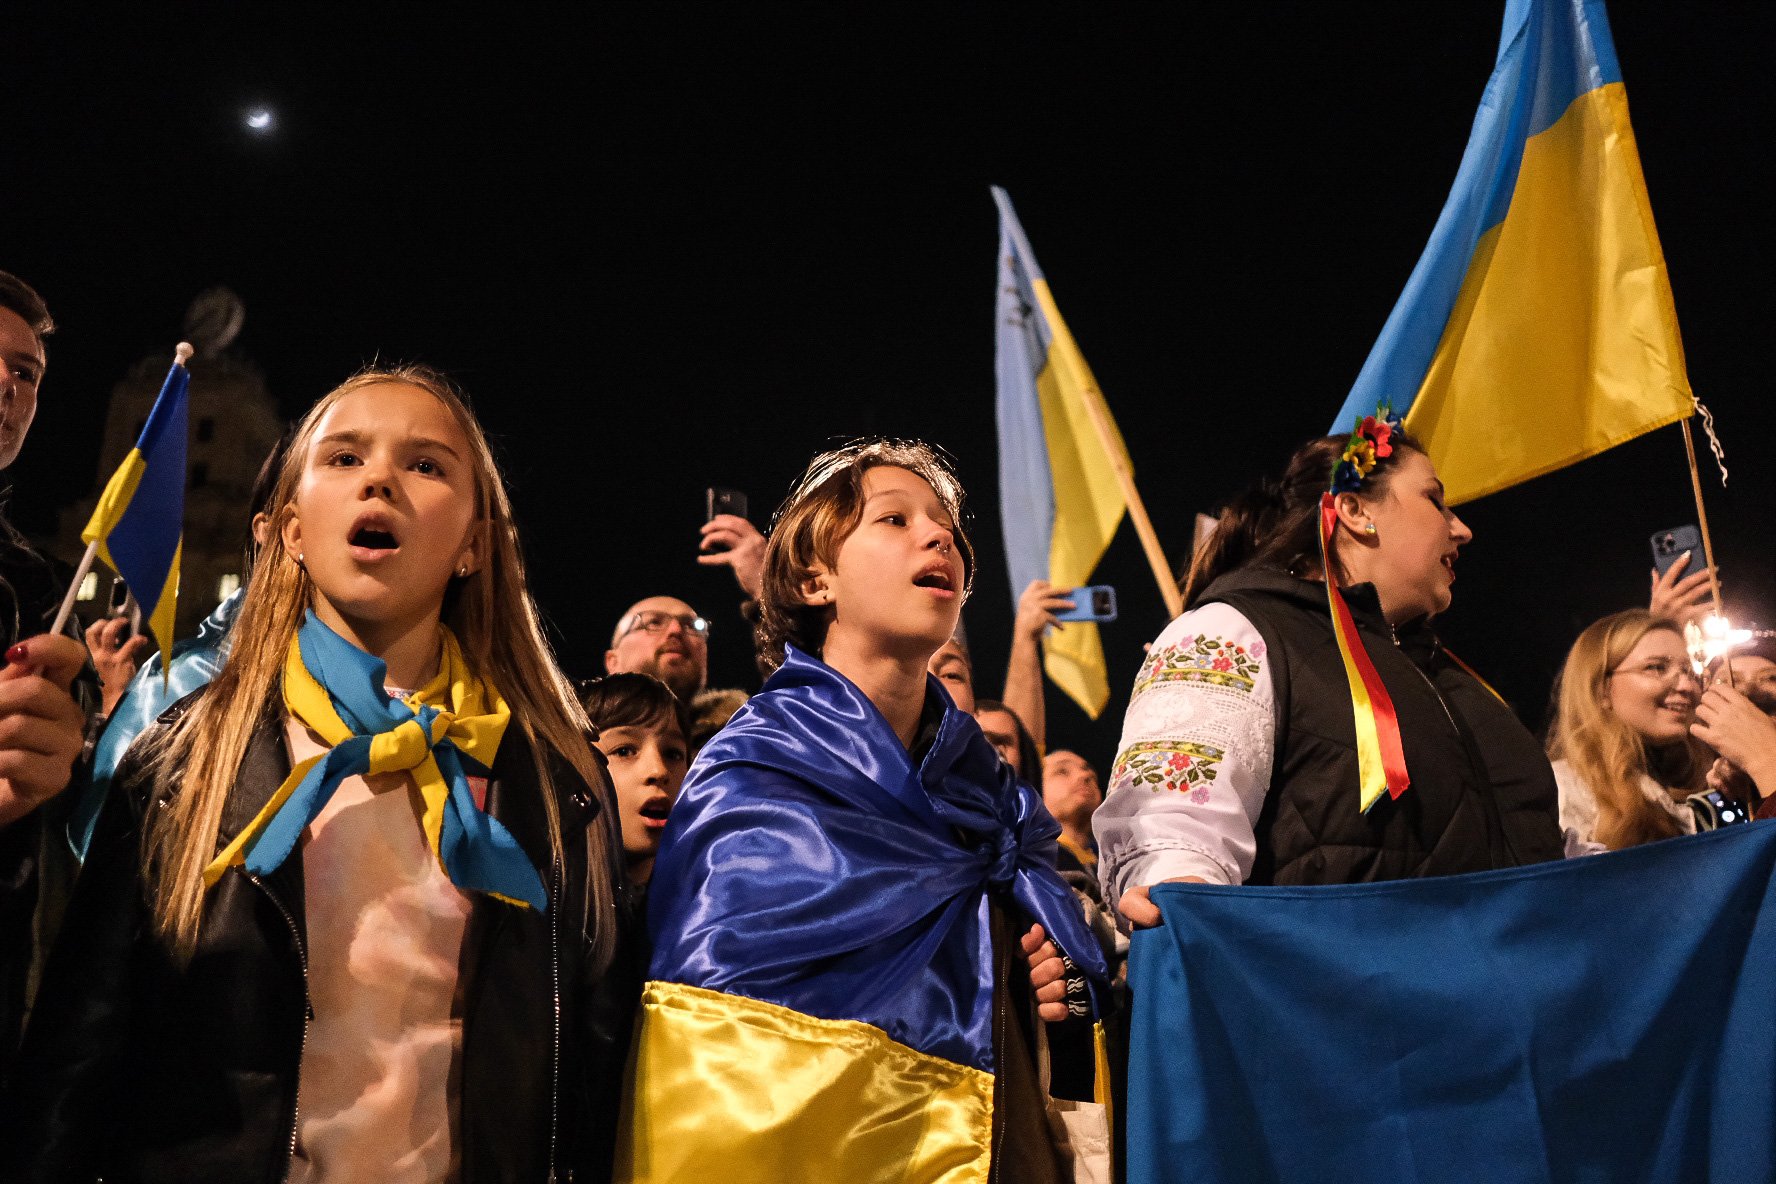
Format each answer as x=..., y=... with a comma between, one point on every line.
x=1538, y=327
x=1536, y=1024
x=1059, y=498
x=823, y=1002
x=140, y=517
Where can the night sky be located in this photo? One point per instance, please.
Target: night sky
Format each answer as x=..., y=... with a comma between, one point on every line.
x=669, y=246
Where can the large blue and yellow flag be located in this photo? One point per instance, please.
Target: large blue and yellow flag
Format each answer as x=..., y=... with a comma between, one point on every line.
x=140, y=518
x=1602, y=1018
x=822, y=1002
x=1538, y=327
x=1059, y=498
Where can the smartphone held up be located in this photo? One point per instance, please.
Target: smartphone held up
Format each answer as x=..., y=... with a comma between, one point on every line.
x=1094, y=603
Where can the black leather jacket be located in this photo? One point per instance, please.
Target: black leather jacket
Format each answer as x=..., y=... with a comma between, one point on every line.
x=136, y=1068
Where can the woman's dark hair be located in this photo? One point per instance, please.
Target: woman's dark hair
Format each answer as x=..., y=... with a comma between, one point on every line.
x=1029, y=759
x=1277, y=523
x=633, y=701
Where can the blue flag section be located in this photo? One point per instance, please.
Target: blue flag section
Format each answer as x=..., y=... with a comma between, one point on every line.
x=1601, y=1019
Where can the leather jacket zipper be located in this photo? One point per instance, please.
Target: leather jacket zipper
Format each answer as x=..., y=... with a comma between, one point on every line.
x=307, y=1017
x=555, y=979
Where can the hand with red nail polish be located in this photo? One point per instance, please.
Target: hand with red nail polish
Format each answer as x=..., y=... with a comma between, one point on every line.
x=42, y=729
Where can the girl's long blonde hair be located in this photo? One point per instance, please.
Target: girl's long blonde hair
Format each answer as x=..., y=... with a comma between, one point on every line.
x=1608, y=755
x=490, y=611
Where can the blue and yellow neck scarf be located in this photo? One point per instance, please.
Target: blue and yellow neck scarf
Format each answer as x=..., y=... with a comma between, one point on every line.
x=336, y=690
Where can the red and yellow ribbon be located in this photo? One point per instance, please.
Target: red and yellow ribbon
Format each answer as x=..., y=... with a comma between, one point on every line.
x=1381, y=758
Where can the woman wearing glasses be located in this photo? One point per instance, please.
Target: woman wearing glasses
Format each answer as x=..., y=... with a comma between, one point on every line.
x=1621, y=745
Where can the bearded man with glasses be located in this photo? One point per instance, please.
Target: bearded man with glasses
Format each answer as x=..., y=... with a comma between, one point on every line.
x=662, y=636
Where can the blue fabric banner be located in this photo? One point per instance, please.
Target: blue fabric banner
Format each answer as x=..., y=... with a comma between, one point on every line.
x=1601, y=1019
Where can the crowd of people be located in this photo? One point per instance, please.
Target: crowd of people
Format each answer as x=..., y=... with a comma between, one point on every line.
x=359, y=884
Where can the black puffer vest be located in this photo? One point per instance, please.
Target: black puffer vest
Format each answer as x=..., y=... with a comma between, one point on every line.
x=1482, y=793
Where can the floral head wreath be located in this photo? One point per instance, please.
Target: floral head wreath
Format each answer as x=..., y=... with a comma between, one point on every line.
x=1381, y=758
x=1369, y=445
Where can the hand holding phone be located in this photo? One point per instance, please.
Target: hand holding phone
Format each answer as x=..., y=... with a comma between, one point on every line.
x=1681, y=587
x=729, y=540
x=1671, y=545
x=1096, y=602
x=720, y=501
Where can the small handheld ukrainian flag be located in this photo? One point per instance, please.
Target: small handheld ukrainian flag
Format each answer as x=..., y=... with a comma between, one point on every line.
x=1059, y=496
x=138, y=524
x=1538, y=328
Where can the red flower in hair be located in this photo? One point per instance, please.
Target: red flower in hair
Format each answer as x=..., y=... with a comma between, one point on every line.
x=1378, y=430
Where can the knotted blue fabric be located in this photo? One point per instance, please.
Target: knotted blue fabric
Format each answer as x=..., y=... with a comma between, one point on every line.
x=810, y=863
x=456, y=720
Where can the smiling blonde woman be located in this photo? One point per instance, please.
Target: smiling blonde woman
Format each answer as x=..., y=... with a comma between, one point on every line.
x=1621, y=745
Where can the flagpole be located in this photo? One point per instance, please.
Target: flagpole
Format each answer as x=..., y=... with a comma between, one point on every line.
x=1689, y=440
x=181, y=355
x=1125, y=477
x=67, y=609
x=1702, y=517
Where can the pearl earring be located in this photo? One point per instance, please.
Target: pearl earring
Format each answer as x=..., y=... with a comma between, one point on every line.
x=1369, y=528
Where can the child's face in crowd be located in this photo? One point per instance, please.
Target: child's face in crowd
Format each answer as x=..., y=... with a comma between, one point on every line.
x=1652, y=689
x=897, y=585
x=385, y=508
x=647, y=767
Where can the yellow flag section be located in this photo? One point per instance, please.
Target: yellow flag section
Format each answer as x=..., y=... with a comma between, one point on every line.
x=1538, y=328
x=1568, y=294
x=161, y=604
x=729, y=1090
x=1088, y=505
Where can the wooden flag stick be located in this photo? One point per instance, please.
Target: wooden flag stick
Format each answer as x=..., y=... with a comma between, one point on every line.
x=1689, y=440
x=1125, y=477
x=1702, y=518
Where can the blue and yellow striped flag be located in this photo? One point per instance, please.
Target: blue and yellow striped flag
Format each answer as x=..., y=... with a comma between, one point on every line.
x=1059, y=498
x=140, y=517
x=1538, y=327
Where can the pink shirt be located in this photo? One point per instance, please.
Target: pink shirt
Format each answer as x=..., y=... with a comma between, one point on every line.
x=378, y=1090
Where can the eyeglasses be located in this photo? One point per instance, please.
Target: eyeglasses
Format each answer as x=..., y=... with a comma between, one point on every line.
x=1661, y=670
x=655, y=621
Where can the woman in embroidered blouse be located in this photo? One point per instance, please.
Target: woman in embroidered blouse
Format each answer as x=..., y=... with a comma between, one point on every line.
x=1239, y=761
x=1621, y=741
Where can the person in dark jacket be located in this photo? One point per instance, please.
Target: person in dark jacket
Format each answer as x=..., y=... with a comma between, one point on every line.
x=1244, y=757
x=344, y=915
x=43, y=710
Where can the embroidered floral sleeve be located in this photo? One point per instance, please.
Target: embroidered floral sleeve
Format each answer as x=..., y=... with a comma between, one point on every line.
x=1194, y=763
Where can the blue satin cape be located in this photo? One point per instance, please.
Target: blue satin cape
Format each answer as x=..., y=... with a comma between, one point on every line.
x=808, y=863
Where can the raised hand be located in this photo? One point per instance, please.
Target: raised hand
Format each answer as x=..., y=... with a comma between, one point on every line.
x=115, y=656
x=1679, y=597
x=731, y=541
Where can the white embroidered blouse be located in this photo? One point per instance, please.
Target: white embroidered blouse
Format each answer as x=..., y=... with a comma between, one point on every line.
x=1194, y=764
